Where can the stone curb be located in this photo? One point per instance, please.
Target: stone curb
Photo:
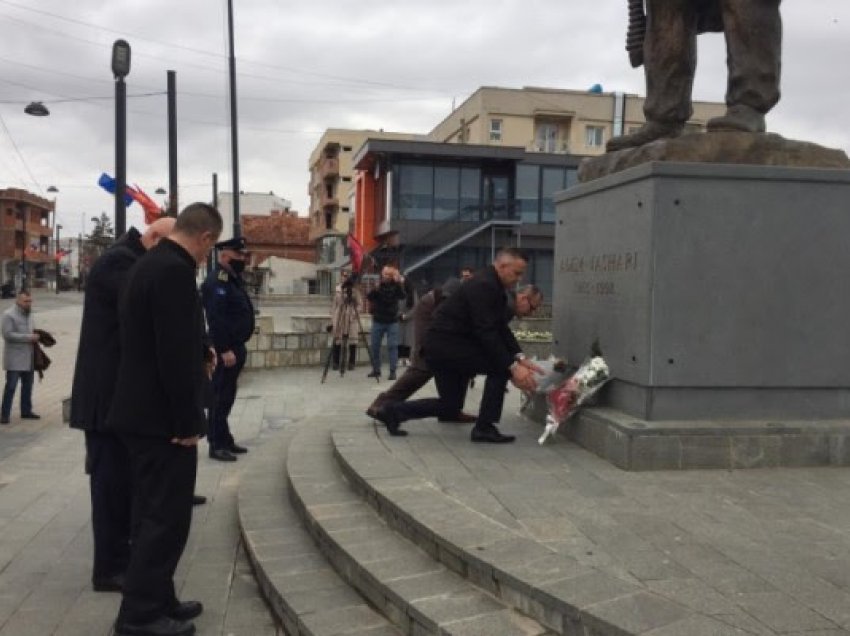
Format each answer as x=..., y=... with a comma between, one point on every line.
x=303, y=591
x=416, y=593
x=557, y=591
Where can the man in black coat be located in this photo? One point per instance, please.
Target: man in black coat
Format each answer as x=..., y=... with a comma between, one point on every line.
x=158, y=411
x=469, y=335
x=107, y=462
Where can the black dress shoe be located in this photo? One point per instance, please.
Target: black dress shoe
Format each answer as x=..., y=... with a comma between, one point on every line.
x=490, y=435
x=237, y=449
x=222, y=455
x=388, y=419
x=162, y=626
x=374, y=374
x=114, y=583
x=391, y=376
x=198, y=500
x=186, y=611
x=31, y=416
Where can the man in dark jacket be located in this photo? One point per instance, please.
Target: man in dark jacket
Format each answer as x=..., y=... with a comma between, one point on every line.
x=469, y=335
x=158, y=411
x=230, y=316
x=107, y=462
x=383, y=302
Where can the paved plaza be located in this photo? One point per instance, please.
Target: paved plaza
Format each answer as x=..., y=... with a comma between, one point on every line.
x=762, y=552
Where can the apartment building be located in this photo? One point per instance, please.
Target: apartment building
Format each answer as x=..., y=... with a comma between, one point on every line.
x=484, y=176
x=551, y=120
x=25, y=236
x=331, y=185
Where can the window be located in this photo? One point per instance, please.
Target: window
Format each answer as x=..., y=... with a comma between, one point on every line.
x=546, y=138
x=446, y=192
x=347, y=179
x=594, y=136
x=495, y=130
x=552, y=182
x=414, y=191
x=346, y=148
x=470, y=193
x=527, y=193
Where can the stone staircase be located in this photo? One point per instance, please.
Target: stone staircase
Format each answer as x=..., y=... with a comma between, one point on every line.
x=347, y=538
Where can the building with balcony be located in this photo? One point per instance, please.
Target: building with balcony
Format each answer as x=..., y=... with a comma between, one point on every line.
x=26, y=229
x=551, y=120
x=484, y=177
x=331, y=187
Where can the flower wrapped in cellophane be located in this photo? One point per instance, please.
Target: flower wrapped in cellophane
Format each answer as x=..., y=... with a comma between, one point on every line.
x=565, y=399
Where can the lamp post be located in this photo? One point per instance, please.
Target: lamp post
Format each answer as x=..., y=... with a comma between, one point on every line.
x=58, y=258
x=53, y=190
x=120, y=69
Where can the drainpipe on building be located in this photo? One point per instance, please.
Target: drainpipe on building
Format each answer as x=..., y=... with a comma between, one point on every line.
x=619, y=114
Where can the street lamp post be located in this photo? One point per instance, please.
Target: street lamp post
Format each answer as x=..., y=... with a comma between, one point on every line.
x=120, y=69
x=58, y=257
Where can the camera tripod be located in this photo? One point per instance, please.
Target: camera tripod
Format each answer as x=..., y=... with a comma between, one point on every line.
x=348, y=304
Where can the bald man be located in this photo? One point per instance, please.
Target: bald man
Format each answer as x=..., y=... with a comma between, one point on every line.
x=107, y=461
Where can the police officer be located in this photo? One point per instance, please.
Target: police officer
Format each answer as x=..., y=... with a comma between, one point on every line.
x=230, y=317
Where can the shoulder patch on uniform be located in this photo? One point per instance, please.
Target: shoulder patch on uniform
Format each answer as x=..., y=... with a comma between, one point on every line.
x=221, y=291
x=222, y=275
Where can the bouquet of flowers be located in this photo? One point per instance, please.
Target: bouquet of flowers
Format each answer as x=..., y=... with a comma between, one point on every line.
x=554, y=371
x=564, y=399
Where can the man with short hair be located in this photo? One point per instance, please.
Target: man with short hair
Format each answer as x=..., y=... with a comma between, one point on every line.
x=107, y=461
x=19, y=340
x=230, y=317
x=470, y=336
x=383, y=305
x=158, y=411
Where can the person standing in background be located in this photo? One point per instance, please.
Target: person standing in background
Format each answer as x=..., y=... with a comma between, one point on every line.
x=19, y=339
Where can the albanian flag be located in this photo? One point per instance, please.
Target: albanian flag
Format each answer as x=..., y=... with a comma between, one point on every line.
x=356, y=253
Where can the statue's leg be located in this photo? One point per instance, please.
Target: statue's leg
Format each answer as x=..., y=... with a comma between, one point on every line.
x=670, y=57
x=753, y=30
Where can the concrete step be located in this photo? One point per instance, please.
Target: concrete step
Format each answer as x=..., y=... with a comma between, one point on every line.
x=556, y=590
x=399, y=578
x=305, y=593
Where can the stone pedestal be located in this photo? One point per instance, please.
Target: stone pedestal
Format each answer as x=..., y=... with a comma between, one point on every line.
x=716, y=291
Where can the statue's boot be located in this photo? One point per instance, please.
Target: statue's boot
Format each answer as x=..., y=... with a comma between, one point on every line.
x=650, y=131
x=740, y=118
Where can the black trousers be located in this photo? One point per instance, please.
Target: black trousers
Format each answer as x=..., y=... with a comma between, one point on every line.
x=224, y=382
x=110, y=482
x=163, y=484
x=452, y=379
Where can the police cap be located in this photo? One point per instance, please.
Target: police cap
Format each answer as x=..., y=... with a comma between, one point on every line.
x=237, y=244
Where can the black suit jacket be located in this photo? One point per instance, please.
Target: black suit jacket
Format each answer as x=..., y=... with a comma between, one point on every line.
x=472, y=322
x=161, y=375
x=99, y=348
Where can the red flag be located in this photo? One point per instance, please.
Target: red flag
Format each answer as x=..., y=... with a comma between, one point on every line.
x=151, y=207
x=356, y=253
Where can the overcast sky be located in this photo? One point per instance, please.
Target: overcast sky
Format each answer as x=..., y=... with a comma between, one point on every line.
x=305, y=66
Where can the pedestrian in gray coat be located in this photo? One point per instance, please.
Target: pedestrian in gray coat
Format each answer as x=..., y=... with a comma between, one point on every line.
x=18, y=340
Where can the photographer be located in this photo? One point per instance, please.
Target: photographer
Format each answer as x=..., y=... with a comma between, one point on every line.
x=347, y=303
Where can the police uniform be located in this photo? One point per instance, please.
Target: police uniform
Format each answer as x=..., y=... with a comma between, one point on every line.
x=230, y=317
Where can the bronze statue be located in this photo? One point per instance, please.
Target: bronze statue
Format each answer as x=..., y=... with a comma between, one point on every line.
x=664, y=41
